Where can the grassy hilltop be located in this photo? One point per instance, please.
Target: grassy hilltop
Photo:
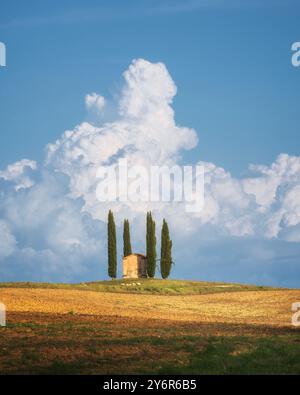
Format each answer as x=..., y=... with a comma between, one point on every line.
x=144, y=286
x=157, y=327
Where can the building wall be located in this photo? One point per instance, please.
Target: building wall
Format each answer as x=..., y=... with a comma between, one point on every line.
x=134, y=266
x=143, y=267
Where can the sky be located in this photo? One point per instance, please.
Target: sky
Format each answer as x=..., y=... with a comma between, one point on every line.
x=235, y=110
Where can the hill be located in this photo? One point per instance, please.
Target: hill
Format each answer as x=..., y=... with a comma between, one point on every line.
x=188, y=327
x=145, y=286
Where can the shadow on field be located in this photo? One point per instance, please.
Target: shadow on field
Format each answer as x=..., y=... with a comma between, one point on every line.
x=85, y=344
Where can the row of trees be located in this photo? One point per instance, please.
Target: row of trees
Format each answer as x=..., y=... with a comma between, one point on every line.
x=165, y=251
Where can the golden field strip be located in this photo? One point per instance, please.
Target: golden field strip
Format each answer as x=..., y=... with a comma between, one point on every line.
x=56, y=331
x=272, y=308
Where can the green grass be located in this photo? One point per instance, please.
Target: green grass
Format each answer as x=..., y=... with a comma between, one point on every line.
x=241, y=355
x=261, y=356
x=147, y=286
x=162, y=351
x=75, y=344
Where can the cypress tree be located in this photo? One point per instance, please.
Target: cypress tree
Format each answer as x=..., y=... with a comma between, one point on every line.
x=151, y=246
x=166, y=251
x=126, y=239
x=112, y=246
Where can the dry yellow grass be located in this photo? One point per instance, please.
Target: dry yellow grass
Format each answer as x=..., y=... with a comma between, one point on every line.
x=272, y=308
x=122, y=333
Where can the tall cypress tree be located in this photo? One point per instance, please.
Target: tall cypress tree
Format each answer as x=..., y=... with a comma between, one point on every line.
x=151, y=246
x=166, y=251
x=111, y=246
x=126, y=239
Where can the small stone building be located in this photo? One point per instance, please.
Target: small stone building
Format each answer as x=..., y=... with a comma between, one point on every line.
x=135, y=266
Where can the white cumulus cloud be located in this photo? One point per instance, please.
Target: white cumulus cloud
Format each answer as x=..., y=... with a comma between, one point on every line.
x=145, y=134
x=7, y=240
x=17, y=173
x=56, y=227
x=95, y=101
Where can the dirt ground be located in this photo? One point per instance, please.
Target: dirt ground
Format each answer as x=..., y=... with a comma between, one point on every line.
x=57, y=331
x=253, y=307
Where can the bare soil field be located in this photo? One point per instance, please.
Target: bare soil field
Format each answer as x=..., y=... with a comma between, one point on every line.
x=59, y=331
x=253, y=307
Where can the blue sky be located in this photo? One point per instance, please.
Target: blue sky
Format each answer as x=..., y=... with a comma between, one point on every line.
x=236, y=87
x=230, y=60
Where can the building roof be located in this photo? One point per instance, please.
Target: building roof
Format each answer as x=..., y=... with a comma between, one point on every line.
x=135, y=254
